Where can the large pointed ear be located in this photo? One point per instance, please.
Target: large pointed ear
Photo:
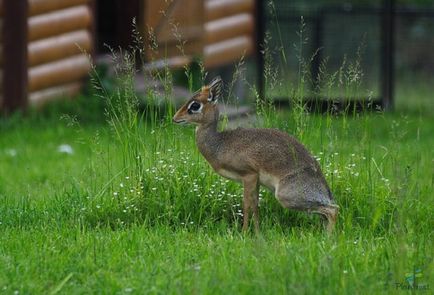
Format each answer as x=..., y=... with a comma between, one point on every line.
x=215, y=89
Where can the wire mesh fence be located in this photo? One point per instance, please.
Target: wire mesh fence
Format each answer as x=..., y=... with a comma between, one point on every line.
x=324, y=38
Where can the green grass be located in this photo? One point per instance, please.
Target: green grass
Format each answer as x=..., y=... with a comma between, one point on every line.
x=142, y=212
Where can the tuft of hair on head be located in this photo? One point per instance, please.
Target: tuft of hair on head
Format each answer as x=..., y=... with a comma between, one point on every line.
x=215, y=89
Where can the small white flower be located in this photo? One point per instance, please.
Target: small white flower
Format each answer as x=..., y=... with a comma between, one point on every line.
x=98, y=206
x=115, y=193
x=11, y=152
x=121, y=184
x=65, y=149
x=154, y=188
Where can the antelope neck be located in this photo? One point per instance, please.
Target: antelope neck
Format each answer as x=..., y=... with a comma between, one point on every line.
x=207, y=131
x=208, y=139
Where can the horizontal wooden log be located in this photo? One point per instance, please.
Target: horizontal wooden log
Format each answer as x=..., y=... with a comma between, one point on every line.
x=55, y=48
x=38, y=98
x=228, y=51
x=229, y=27
x=175, y=62
x=61, y=46
x=182, y=33
x=215, y=9
x=60, y=72
x=170, y=18
x=194, y=47
x=59, y=22
x=43, y=6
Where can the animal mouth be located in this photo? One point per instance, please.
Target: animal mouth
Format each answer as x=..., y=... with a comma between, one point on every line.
x=182, y=121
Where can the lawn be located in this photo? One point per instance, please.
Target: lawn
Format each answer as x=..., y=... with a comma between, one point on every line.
x=88, y=207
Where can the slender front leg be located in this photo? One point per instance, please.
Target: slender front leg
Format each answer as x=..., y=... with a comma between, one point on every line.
x=250, y=200
x=255, y=206
x=246, y=208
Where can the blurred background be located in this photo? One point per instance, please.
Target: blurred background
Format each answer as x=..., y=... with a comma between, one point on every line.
x=384, y=48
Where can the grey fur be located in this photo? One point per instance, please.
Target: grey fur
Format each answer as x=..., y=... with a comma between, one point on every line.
x=256, y=157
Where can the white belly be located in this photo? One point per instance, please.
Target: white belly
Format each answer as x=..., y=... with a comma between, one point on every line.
x=268, y=180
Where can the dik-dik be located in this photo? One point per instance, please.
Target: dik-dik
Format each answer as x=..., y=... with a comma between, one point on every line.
x=257, y=157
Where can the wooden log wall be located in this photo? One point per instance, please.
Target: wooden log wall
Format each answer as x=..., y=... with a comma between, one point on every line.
x=229, y=31
x=219, y=31
x=58, y=36
x=173, y=23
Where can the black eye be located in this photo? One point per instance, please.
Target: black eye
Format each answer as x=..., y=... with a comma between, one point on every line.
x=194, y=106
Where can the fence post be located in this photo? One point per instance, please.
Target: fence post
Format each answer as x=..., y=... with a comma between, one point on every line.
x=15, y=73
x=388, y=53
x=125, y=12
x=260, y=36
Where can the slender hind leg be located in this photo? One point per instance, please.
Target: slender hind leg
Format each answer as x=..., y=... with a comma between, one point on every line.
x=330, y=212
x=293, y=192
x=250, y=201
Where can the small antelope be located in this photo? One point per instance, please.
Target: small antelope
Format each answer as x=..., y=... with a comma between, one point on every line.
x=256, y=157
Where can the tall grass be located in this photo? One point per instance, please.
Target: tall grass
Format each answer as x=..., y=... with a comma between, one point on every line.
x=164, y=180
